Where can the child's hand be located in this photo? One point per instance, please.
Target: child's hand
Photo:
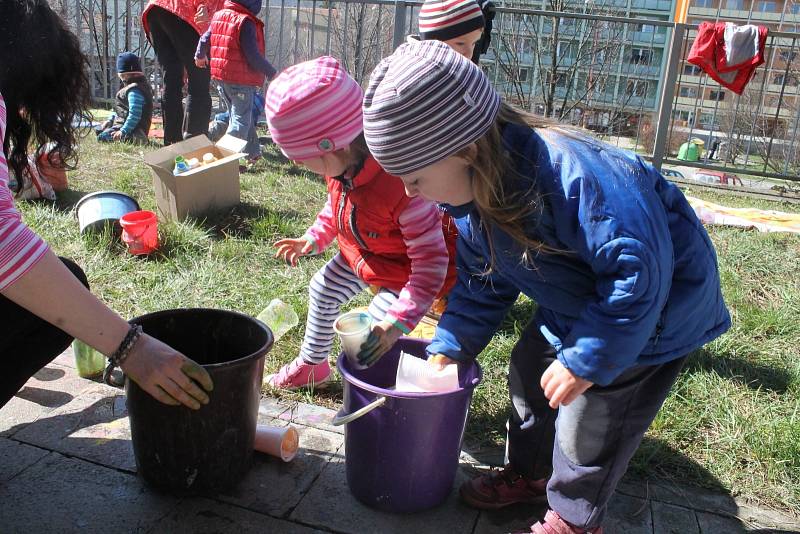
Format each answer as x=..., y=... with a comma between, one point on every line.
x=201, y=16
x=117, y=135
x=561, y=386
x=291, y=249
x=382, y=338
x=439, y=361
x=201, y=62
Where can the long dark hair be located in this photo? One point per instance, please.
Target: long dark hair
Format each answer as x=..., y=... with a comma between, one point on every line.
x=43, y=80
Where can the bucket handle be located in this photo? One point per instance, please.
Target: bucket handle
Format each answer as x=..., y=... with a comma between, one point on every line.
x=342, y=418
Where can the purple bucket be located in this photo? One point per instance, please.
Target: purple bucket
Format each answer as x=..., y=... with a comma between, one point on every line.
x=401, y=449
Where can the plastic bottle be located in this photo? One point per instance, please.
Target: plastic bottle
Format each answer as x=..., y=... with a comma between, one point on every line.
x=88, y=361
x=279, y=317
x=192, y=163
x=208, y=157
x=180, y=166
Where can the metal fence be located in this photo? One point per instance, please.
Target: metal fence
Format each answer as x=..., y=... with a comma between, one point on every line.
x=597, y=64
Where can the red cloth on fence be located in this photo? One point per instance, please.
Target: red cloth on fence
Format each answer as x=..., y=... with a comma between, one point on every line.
x=729, y=53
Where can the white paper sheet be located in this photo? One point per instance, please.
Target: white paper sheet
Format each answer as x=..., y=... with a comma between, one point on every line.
x=415, y=375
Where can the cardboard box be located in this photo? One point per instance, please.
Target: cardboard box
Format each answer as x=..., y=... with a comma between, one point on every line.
x=202, y=189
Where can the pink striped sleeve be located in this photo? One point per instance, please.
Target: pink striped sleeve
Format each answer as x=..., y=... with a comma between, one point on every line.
x=421, y=225
x=322, y=232
x=20, y=248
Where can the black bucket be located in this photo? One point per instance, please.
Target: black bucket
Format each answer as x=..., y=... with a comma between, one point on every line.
x=205, y=451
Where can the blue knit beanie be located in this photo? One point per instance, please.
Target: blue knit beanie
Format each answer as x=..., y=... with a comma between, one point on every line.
x=128, y=62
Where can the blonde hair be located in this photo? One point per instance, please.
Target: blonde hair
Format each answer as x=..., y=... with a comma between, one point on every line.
x=499, y=199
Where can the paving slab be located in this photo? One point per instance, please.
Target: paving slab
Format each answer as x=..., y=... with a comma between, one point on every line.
x=275, y=487
x=94, y=427
x=16, y=457
x=60, y=494
x=693, y=497
x=311, y=415
x=772, y=519
x=205, y=516
x=629, y=515
x=50, y=388
x=516, y=518
x=718, y=524
x=671, y=519
x=65, y=359
x=330, y=505
x=271, y=407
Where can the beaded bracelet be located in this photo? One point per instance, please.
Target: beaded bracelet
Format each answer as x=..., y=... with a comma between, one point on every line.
x=121, y=354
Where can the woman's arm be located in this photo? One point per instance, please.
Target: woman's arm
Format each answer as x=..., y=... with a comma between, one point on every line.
x=50, y=291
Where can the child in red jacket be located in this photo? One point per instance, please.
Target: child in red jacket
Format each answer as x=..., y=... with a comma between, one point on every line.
x=386, y=239
x=235, y=45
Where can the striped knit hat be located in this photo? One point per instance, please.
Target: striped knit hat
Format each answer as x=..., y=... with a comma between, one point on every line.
x=448, y=19
x=424, y=103
x=313, y=108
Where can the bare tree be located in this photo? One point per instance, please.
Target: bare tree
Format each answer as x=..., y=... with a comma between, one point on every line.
x=564, y=66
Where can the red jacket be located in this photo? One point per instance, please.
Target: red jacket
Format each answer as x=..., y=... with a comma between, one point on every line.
x=184, y=10
x=368, y=232
x=228, y=63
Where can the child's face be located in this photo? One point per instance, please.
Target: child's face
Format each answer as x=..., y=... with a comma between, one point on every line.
x=448, y=181
x=465, y=44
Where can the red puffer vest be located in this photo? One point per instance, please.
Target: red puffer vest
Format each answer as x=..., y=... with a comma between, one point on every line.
x=228, y=63
x=184, y=10
x=369, y=230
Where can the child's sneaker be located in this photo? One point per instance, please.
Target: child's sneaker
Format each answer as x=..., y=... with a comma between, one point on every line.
x=502, y=487
x=554, y=524
x=298, y=374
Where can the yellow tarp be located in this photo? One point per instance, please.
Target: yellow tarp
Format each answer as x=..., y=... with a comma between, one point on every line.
x=762, y=220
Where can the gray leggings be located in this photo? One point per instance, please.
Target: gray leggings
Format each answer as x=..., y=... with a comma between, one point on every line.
x=585, y=447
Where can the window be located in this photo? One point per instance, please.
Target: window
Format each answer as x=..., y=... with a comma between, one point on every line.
x=734, y=4
x=779, y=79
x=522, y=75
x=683, y=115
x=688, y=92
x=794, y=9
x=636, y=88
x=766, y=6
x=567, y=49
x=717, y=95
x=644, y=28
x=524, y=45
x=691, y=70
x=641, y=56
x=703, y=3
x=788, y=56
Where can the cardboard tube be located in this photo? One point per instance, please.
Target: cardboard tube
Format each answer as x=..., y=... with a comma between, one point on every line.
x=282, y=442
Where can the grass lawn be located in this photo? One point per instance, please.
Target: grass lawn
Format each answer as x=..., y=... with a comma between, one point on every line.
x=732, y=421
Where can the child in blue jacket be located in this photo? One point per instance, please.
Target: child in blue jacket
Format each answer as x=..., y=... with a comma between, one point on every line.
x=623, y=273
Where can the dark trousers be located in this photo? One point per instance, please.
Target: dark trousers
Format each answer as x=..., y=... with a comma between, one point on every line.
x=28, y=343
x=585, y=447
x=174, y=41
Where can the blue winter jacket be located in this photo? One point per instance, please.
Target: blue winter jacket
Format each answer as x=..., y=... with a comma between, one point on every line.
x=637, y=283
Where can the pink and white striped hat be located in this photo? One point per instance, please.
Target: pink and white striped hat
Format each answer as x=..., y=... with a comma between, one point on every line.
x=314, y=107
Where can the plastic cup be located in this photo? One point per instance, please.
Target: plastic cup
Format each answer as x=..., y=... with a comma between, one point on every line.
x=88, y=362
x=353, y=329
x=281, y=442
x=279, y=317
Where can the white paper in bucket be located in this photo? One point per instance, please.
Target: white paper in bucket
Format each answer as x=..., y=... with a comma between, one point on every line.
x=415, y=375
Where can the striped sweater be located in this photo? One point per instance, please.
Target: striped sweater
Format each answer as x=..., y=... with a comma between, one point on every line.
x=20, y=247
x=421, y=227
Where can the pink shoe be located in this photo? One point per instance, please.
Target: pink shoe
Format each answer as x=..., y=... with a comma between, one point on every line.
x=553, y=524
x=297, y=374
